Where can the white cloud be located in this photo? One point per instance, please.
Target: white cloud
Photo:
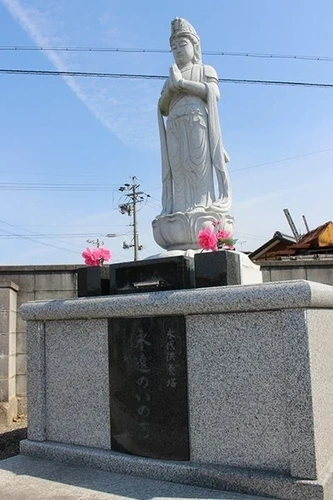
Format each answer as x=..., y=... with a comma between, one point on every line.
x=127, y=108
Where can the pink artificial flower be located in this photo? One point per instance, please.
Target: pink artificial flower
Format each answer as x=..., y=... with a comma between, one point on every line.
x=96, y=256
x=91, y=257
x=207, y=239
x=222, y=234
x=105, y=254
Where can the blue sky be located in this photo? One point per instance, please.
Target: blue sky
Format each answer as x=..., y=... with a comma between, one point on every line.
x=103, y=131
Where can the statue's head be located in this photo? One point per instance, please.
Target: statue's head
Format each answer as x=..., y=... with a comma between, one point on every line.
x=182, y=32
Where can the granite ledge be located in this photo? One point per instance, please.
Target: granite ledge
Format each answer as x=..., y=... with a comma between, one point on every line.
x=230, y=479
x=296, y=294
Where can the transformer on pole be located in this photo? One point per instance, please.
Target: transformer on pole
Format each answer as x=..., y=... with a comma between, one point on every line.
x=130, y=208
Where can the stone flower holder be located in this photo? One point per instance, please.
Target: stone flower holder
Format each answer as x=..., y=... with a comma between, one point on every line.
x=93, y=281
x=218, y=268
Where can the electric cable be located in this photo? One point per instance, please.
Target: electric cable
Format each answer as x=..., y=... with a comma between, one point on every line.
x=85, y=74
x=18, y=48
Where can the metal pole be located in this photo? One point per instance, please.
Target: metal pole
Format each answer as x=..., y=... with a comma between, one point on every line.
x=291, y=224
x=306, y=223
x=135, y=232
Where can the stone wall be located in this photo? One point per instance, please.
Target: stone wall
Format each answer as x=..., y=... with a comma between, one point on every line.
x=20, y=284
x=318, y=270
x=8, y=359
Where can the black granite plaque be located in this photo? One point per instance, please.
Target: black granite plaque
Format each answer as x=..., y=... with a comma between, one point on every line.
x=168, y=273
x=219, y=268
x=148, y=387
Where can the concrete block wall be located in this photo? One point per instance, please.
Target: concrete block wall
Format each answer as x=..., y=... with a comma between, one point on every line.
x=318, y=270
x=32, y=283
x=8, y=313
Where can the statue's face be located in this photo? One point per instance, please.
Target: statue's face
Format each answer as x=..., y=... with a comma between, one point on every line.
x=182, y=50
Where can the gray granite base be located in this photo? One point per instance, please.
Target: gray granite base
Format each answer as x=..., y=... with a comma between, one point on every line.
x=28, y=478
x=260, y=392
x=237, y=480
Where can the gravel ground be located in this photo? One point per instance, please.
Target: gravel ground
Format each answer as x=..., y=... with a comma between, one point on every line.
x=10, y=437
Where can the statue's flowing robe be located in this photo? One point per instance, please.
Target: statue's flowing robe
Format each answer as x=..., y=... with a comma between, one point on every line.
x=191, y=149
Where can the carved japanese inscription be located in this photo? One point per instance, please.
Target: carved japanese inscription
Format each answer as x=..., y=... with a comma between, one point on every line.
x=148, y=387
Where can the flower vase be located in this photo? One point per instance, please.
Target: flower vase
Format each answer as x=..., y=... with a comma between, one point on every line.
x=93, y=281
x=219, y=268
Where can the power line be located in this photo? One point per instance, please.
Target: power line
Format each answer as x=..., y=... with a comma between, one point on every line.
x=17, y=48
x=59, y=235
x=157, y=77
x=72, y=225
x=303, y=155
x=34, y=233
x=80, y=74
x=41, y=242
x=252, y=236
x=47, y=174
x=281, y=160
x=30, y=186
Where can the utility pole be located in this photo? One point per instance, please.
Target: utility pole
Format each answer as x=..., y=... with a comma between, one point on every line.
x=135, y=222
x=130, y=208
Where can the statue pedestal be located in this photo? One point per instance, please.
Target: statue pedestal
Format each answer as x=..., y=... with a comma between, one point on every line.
x=179, y=231
x=172, y=273
x=254, y=416
x=172, y=270
x=220, y=268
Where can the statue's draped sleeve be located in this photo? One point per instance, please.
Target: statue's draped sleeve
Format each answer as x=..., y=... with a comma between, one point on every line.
x=167, y=202
x=219, y=156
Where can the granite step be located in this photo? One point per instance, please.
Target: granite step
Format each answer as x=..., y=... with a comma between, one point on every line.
x=27, y=478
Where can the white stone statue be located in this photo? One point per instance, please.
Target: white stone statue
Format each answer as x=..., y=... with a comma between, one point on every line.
x=196, y=185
